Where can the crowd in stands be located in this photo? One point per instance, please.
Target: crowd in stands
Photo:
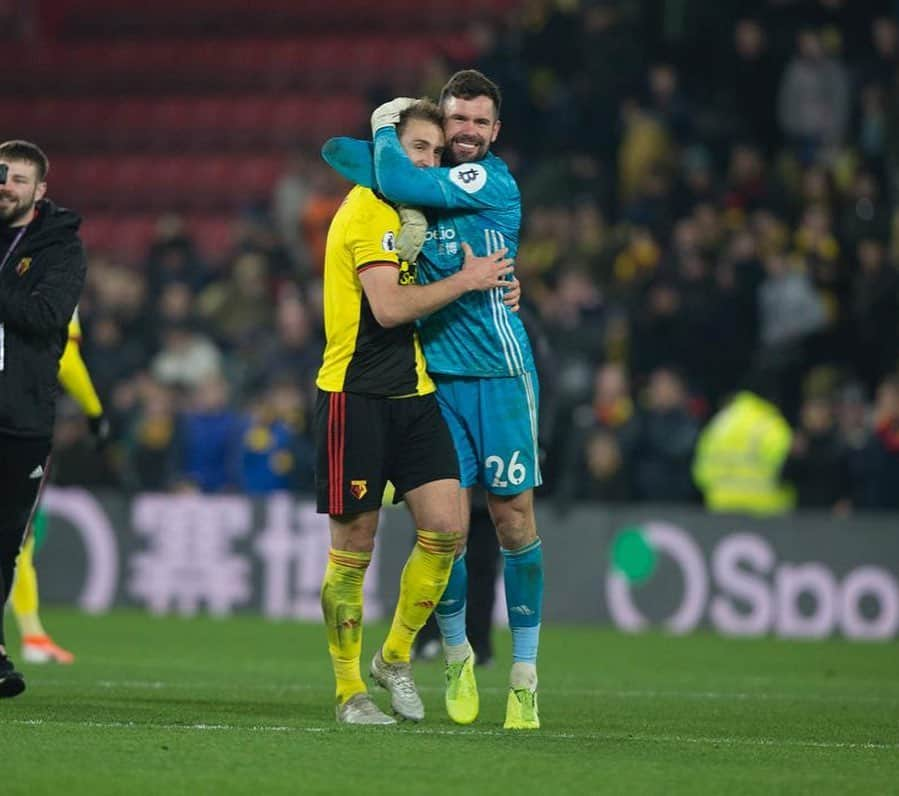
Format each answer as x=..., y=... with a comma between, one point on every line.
x=710, y=194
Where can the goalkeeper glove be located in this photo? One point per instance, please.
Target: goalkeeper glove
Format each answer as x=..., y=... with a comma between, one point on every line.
x=389, y=113
x=412, y=233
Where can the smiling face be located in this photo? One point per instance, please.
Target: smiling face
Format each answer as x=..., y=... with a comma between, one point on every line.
x=471, y=126
x=423, y=142
x=20, y=193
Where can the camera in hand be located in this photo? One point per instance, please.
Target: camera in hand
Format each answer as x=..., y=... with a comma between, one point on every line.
x=4, y=170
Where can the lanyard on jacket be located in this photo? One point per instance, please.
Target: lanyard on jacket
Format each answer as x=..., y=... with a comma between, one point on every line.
x=2, y=327
x=12, y=246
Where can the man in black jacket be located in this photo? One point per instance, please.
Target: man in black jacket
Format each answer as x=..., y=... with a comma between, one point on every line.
x=42, y=269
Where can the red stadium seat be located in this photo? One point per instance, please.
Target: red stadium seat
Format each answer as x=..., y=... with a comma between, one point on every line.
x=178, y=182
x=127, y=237
x=186, y=123
x=235, y=17
x=195, y=108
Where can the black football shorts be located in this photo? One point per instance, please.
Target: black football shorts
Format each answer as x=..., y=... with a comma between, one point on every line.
x=363, y=442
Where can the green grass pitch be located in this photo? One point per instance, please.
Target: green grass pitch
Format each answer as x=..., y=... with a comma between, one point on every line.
x=176, y=706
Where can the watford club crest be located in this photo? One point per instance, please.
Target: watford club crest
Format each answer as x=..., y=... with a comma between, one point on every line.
x=23, y=266
x=359, y=489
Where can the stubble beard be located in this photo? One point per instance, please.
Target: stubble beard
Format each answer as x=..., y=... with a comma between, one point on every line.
x=16, y=212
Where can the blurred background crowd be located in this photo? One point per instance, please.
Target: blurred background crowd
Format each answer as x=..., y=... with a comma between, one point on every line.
x=710, y=194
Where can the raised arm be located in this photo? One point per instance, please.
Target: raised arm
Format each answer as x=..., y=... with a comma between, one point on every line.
x=400, y=180
x=355, y=160
x=352, y=159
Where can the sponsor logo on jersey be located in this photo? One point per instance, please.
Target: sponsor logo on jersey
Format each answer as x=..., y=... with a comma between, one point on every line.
x=441, y=233
x=408, y=273
x=470, y=177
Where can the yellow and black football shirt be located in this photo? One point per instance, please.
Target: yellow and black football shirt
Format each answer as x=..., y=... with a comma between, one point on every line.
x=360, y=355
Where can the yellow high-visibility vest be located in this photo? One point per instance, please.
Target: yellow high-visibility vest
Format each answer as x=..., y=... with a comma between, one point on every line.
x=739, y=457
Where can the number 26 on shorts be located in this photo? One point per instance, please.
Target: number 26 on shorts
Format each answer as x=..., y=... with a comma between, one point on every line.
x=513, y=474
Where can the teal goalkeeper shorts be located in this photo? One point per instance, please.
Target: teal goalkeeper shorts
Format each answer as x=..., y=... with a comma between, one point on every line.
x=494, y=426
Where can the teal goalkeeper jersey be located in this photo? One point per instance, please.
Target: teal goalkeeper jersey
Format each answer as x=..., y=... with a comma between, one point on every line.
x=475, y=203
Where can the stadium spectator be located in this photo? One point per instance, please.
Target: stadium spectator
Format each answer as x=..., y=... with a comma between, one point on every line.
x=573, y=314
x=747, y=188
x=790, y=311
x=291, y=193
x=864, y=212
x=741, y=452
x=186, y=357
x=237, y=308
x=151, y=443
x=884, y=450
x=594, y=463
x=818, y=463
x=856, y=434
x=814, y=101
x=663, y=331
x=609, y=67
x=880, y=61
x=667, y=438
x=605, y=476
x=667, y=102
x=747, y=83
x=277, y=451
x=114, y=359
x=732, y=332
x=209, y=434
x=172, y=256
x=875, y=308
x=696, y=183
x=76, y=460
x=294, y=351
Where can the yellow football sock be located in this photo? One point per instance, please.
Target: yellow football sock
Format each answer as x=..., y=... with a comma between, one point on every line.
x=24, y=595
x=342, y=608
x=424, y=578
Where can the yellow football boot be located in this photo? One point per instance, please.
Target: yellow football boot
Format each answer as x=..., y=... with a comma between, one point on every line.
x=462, y=701
x=521, y=710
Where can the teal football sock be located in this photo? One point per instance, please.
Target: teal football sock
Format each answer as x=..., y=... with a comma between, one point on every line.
x=450, y=611
x=524, y=599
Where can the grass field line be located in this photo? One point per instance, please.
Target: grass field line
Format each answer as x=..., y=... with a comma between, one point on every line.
x=546, y=734
x=735, y=696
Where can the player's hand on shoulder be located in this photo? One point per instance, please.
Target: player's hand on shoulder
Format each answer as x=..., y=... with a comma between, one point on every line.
x=488, y=272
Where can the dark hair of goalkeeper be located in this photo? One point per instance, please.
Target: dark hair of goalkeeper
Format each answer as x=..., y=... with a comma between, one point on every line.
x=469, y=84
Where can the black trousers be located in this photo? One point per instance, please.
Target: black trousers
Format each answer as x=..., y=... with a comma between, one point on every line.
x=23, y=464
